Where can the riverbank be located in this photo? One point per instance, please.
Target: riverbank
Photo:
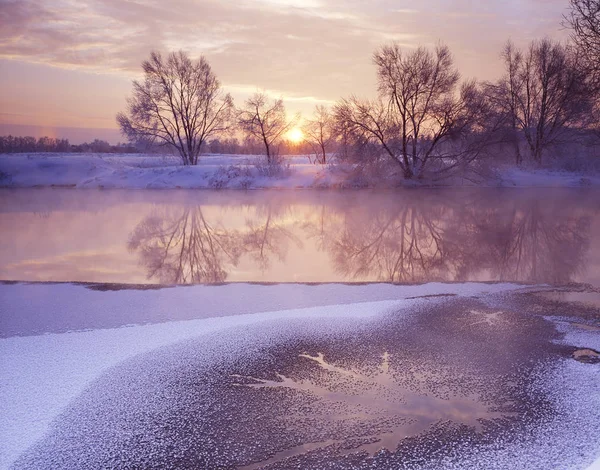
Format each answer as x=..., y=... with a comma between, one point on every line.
x=140, y=171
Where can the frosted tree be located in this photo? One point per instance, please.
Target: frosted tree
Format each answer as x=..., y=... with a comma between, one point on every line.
x=423, y=117
x=179, y=103
x=265, y=121
x=319, y=133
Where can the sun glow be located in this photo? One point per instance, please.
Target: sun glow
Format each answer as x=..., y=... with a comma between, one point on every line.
x=295, y=135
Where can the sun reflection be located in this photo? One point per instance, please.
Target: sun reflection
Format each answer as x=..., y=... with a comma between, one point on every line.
x=373, y=399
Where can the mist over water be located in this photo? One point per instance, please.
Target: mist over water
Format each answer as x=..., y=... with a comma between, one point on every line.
x=402, y=236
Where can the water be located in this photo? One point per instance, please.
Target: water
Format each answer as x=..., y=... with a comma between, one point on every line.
x=375, y=398
x=403, y=236
x=434, y=379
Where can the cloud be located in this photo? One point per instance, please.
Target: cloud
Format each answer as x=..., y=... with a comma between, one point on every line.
x=306, y=48
x=290, y=45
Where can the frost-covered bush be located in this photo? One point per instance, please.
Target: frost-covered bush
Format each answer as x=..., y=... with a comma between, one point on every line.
x=225, y=175
x=277, y=168
x=581, y=157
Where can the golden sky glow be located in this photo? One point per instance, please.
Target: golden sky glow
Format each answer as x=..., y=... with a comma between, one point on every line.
x=295, y=135
x=69, y=63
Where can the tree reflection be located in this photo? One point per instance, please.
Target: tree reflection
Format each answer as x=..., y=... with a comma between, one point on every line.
x=403, y=236
x=266, y=235
x=181, y=245
x=402, y=243
x=459, y=236
x=534, y=240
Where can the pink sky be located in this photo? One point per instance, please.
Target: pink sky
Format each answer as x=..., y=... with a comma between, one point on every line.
x=69, y=63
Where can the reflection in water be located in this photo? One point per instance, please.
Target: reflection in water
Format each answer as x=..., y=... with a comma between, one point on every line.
x=459, y=238
x=371, y=399
x=531, y=241
x=266, y=236
x=394, y=243
x=404, y=236
x=182, y=247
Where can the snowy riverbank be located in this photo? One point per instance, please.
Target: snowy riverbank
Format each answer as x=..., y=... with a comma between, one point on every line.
x=141, y=171
x=79, y=362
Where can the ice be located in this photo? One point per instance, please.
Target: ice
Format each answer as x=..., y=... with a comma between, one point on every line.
x=43, y=371
x=42, y=374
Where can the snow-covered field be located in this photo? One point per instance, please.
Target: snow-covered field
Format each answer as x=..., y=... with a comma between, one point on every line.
x=216, y=172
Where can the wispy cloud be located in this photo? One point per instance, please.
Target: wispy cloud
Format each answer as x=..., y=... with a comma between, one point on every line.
x=309, y=50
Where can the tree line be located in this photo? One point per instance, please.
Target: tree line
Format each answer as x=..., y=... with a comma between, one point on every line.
x=227, y=145
x=16, y=144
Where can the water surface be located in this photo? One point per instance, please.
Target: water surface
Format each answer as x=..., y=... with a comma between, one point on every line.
x=402, y=236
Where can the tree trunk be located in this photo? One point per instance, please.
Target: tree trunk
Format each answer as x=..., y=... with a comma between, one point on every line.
x=267, y=148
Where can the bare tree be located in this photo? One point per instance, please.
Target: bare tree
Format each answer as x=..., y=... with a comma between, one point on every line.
x=319, y=133
x=504, y=95
x=179, y=103
x=543, y=93
x=422, y=115
x=584, y=20
x=265, y=121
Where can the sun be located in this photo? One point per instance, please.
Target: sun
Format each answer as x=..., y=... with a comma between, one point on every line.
x=295, y=135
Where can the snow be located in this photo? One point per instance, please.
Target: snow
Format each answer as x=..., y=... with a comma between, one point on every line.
x=577, y=337
x=43, y=371
x=77, y=308
x=517, y=177
x=152, y=172
x=595, y=465
x=216, y=171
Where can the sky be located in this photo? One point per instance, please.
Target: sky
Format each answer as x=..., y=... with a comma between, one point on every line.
x=66, y=66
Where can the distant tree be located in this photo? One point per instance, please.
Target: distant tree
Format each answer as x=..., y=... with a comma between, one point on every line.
x=46, y=144
x=422, y=115
x=63, y=145
x=215, y=146
x=100, y=146
x=10, y=144
x=266, y=121
x=179, y=103
x=319, y=133
x=251, y=145
x=543, y=93
x=225, y=146
x=231, y=145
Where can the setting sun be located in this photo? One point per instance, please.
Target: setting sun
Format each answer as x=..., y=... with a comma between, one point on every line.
x=295, y=135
